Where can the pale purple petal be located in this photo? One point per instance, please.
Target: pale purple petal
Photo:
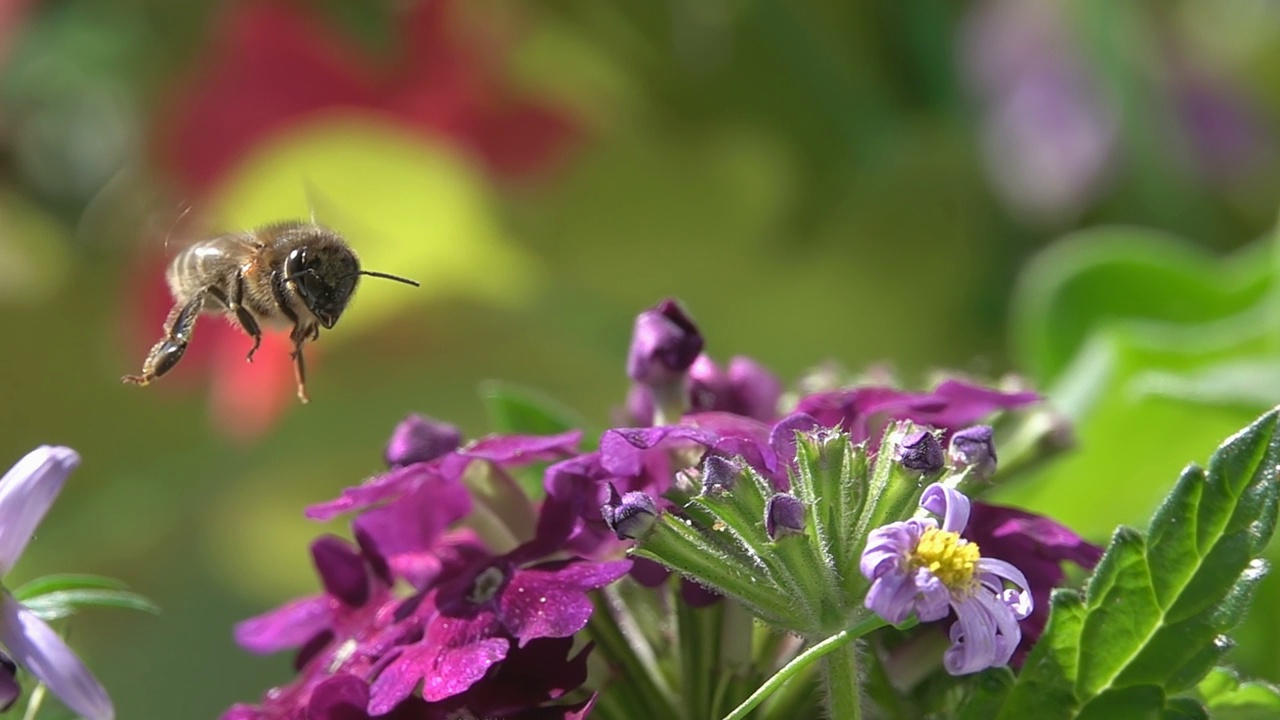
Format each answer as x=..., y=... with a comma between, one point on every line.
x=288, y=626
x=947, y=503
x=892, y=597
x=27, y=492
x=973, y=638
x=933, y=598
x=40, y=651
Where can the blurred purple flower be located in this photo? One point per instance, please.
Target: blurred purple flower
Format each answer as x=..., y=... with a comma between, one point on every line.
x=864, y=412
x=421, y=439
x=920, y=568
x=1036, y=545
x=27, y=492
x=664, y=343
x=1049, y=136
x=1223, y=129
x=500, y=451
x=746, y=388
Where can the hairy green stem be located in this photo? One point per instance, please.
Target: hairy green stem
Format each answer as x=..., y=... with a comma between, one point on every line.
x=842, y=683
x=804, y=660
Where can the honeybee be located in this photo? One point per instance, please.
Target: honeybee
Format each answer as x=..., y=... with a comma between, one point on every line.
x=289, y=274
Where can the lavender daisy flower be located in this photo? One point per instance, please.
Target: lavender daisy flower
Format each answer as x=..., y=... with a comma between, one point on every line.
x=27, y=492
x=918, y=568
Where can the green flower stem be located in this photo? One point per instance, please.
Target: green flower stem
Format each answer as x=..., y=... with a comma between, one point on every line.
x=807, y=658
x=642, y=680
x=842, y=683
x=699, y=651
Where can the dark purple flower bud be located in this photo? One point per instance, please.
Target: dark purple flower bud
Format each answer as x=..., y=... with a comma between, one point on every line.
x=920, y=451
x=719, y=475
x=342, y=569
x=973, y=448
x=9, y=689
x=631, y=516
x=784, y=515
x=663, y=346
x=421, y=439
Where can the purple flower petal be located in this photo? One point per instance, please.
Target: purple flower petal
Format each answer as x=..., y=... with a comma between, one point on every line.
x=782, y=438
x=454, y=655
x=40, y=651
x=288, y=626
x=10, y=691
x=341, y=697
x=949, y=504
x=551, y=600
x=27, y=492
x=756, y=390
x=404, y=533
x=378, y=489
x=342, y=569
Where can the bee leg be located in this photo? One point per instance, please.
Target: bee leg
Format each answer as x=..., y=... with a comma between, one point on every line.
x=243, y=316
x=164, y=355
x=299, y=336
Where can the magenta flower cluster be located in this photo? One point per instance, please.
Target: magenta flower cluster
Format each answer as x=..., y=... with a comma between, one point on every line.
x=463, y=597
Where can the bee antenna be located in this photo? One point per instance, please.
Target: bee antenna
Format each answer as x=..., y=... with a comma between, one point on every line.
x=388, y=276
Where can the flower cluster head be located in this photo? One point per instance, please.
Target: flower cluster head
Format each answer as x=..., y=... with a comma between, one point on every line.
x=918, y=567
x=462, y=596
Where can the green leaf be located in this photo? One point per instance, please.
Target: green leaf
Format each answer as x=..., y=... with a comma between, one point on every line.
x=66, y=581
x=1230, y=699
x=521, y=411
x=65, y=603
x=1158, y=607
x=987, y=695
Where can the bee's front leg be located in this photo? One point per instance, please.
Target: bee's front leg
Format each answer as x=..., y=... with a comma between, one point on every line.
x=164, y=355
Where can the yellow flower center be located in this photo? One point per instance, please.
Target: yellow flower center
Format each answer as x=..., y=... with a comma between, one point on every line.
x=950, y=558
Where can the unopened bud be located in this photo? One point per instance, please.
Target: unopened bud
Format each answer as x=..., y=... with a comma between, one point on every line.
x=664, y=345
x=631, y=516
x=973, y=448
x=719, y=475
x=420, y=439
x=784, y=515
x=920, y=451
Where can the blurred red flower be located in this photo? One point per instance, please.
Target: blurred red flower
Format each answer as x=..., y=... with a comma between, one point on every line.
x=271, y=64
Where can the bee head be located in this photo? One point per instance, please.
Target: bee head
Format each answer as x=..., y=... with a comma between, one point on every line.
x=325, y=276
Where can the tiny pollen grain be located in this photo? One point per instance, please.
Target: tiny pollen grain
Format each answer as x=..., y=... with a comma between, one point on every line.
x=948, y=557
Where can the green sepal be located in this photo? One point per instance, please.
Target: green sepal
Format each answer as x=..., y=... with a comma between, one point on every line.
x=675, y=543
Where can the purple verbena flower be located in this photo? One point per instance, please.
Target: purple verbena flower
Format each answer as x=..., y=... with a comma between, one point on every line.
x=471, y=623
x=784, y=514
x=920, y=450
x=920, y=568
x=27, y=492
x=629, y=516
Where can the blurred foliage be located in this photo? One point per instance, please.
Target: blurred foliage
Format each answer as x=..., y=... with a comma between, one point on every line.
x=848, y=180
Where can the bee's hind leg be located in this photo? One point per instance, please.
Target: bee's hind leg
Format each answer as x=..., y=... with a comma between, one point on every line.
x=164, y=355
x=299, y=336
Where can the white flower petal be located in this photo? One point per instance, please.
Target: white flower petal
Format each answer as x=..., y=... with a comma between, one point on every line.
x=27, y=492
x=40, y=651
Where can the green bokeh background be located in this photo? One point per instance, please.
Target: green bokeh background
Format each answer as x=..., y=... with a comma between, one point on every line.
x=806, y=177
